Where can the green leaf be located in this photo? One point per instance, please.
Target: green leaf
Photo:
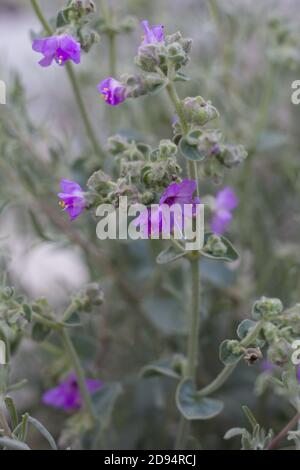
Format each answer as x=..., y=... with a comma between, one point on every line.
x=40, y=332
x=230, y=255
x=169, y=255
x=191, y=152
x=13, y=444
x=181, y=77
x=226, y=355
x=62, y=19
x=27, y=312
x=194, y=407
x=74, y=320
x=43, y=431
x=104, y=400
x=244, y=328
x=234, y=432
x=163, y=367
x=10, y=406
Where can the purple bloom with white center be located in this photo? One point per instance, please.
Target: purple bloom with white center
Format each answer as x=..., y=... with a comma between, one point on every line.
x=153, y=34
x=72, y=198
x=176, y=193
x=113, y=91
x=58, y=48
x=225, y=202
x=67, y=394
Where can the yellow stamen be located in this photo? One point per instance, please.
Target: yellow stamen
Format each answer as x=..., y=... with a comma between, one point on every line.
x=62, y=204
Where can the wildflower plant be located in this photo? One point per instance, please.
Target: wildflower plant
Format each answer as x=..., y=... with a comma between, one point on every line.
x=178, y=169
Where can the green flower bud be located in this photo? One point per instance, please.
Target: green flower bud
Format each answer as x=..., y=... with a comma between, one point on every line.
x=279, y=352
x=91, y=296
x=267, y=308
x=147, y=198
x=148, y=57
x=198, y=112
x=231, y=155
x=167, y=148
x=176, y=53
x=117, y=144
x=270, y=332
x=99, y=182
x=127, y=24
x=215, y=246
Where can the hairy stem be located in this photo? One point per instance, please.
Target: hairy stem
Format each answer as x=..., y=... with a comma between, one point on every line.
x=284, y=432
x=75, y=86
x=3, y=421
x=227, y=370
x=193, y=339
x=79, y=374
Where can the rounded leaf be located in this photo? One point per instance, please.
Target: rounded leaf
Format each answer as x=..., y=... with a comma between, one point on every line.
x=169, y=255
x=194, y=407
x=226, y=354
x=230, y=255
x=191, y=152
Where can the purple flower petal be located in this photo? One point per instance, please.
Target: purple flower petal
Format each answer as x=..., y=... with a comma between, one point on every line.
x=176, y=193
x=72, y=198
x=154, y=34
x=113, y=91
x=61, y=48
x=226, y=201
x=67, y=394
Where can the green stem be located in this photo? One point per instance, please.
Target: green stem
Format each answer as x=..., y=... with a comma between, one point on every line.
x=173, y=95
x=76, y=89
x=112, y=54
x=194, y=321
x=3, y=421
x=227, y=370
x=193, y=339
x=80, y=375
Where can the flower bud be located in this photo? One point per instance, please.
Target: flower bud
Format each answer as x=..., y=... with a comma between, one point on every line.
x=267, y=308
x=127, y=24
x=215, y=246
x=270, y=332
x=148, y=57
x=99, y=182
x=198, y=112
x=231, y=155
x=252, y=355
x=147, y=198
x=91, y=296
x=167, y=148
x=279, y=352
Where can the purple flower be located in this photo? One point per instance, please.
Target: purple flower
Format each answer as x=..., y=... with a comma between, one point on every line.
x=268, y=366
x=113, y=91
x=176, y=193
x=72, y=198
x=226, y=201
x=67, y=394
x=153, y=34
x=58, y=48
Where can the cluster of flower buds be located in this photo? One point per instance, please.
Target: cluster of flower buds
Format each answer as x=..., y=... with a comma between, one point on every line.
x=199, y=112
x=90, y=297
x=142, y=172
x=158, y=51
x=267, y=308
x=214, y=246
x=75, y=20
